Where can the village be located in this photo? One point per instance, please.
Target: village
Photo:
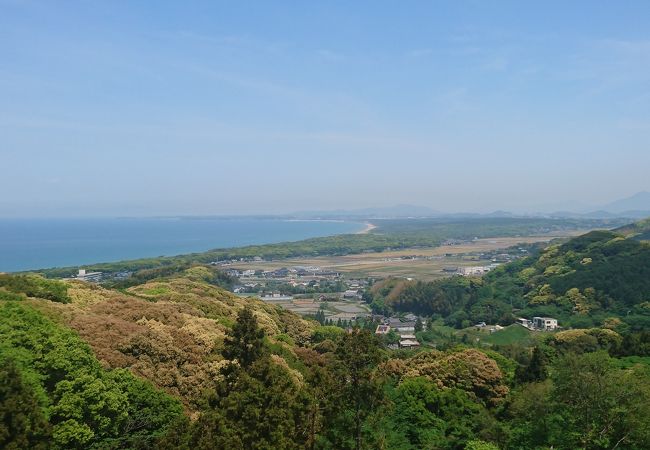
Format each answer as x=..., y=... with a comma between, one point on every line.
x=335, y=298
x=332, y=289
x=346, y=275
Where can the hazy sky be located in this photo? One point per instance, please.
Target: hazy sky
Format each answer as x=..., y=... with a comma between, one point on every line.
x=152, y=107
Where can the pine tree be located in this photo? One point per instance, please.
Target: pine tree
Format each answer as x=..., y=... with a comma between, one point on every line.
x=245, y=342
x=535, y=370
x=358, y=353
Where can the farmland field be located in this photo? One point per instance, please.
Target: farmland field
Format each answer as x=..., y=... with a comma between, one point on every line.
x=421, y=263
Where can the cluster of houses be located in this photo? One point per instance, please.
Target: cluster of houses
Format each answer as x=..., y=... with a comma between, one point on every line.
x=98, y=277
x=313, y=277
x=228, y=262
x=283, y=272
x=405, y=328
x=539, y=323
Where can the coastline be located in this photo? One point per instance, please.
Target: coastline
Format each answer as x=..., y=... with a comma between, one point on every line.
x=149, y=239
x=368, y=229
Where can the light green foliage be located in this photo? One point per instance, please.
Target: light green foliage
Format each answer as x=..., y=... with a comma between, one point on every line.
x=586, y=340
x=87, y=407
x=588, y=403
x=510, y=335
x=527, y=273
x=10, y=296
x=480, y=445
x=431, y=417
x=327, y=332
x=602, y=404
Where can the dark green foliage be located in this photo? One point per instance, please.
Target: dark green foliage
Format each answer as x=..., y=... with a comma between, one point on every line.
x=602, y=405
x=245, y=341
x=620, y=269
x=149, y=411
x=535, y=370
x=358, y=392
x=320, y=316
x=635, y=344
x=587, y=403
x=264, y=408
x=336, y=393
x=431, y=417
x=33, y=286
x=261, y=408
x=22, y=419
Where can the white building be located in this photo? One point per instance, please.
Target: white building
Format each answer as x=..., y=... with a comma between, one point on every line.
x=524, y=322
x=473, y=270
x=544, y=323
x=350, y=293
x=408, y=343
x=89, y=276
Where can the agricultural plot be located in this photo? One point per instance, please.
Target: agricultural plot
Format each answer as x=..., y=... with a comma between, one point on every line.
x=425, y=264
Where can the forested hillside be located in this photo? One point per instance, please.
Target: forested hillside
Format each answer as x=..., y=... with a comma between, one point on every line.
x=639, y=230
x=179, y=363
x=583, y=282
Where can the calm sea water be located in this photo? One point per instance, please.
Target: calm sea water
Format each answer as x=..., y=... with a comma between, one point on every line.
x=39, y=243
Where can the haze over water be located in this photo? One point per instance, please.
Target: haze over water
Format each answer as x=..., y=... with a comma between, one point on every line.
x=40, y=243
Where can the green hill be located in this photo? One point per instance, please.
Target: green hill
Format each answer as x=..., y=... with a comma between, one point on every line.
x=582, y=282
x=638, y=230
x=177, y=362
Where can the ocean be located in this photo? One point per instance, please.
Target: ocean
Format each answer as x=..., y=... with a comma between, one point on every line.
x=27, y=244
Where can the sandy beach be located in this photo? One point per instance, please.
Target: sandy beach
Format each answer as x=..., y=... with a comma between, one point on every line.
x=368, y=228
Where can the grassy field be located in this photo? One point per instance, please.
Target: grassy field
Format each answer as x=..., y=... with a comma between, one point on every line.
x=344, y=310
x=510, y=335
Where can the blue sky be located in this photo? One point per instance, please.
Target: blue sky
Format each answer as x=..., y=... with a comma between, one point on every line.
x=146, y=108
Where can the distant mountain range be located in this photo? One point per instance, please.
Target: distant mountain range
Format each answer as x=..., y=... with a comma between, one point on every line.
x=637, y=202
x=636, y=206
x=381, y=212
